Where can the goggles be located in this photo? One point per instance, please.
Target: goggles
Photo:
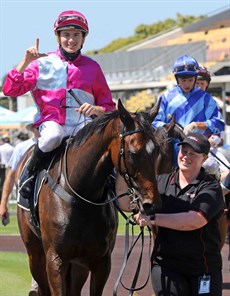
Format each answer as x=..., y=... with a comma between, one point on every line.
x=71, y=17
x=183, y=68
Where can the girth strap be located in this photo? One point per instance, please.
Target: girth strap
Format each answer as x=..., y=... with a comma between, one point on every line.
x=55, y=187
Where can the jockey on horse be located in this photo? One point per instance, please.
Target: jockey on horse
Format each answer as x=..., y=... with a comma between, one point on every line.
x=49, y=77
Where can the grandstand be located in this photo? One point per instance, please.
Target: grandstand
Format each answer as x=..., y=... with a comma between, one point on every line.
x=141, y=101
x=139, y=73
x=148, y=64
x=207, y=40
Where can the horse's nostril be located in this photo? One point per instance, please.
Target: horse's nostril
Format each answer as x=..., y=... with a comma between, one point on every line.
x=149, y=208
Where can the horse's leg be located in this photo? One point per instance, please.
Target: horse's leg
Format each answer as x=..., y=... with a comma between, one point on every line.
x=38, y=270
x=34, y=250
x=78, y=275
x=99, y=276
x=56, y=272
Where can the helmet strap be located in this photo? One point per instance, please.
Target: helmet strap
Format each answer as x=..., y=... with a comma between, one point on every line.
x=58, y=38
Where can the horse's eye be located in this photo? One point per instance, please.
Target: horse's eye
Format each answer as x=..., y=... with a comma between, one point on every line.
x=134, y=155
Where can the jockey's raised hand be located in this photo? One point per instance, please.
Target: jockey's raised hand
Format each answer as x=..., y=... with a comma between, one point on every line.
x=32, y=53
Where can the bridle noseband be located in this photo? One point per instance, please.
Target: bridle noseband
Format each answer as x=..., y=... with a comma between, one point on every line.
x=121, y=156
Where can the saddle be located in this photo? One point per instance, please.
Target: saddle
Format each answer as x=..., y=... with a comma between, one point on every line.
x=43, y=176
x=31, y=204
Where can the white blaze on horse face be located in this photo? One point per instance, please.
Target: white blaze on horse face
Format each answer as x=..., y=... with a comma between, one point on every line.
x=150, y=147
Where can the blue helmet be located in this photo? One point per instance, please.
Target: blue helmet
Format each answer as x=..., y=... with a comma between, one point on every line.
x=186, y=66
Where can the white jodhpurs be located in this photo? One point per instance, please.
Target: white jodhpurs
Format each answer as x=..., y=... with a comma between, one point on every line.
x=52, y=135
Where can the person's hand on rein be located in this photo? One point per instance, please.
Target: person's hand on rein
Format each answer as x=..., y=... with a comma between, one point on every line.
x=88, y=110
x=31, y=55
x=142, y=220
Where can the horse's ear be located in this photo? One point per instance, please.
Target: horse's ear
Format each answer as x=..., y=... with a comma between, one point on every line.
x=170, y=126
x=174, y=129
x=155, y=109
x=125, y=116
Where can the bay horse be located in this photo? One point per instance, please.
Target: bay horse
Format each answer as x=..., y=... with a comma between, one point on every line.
x=78, y=224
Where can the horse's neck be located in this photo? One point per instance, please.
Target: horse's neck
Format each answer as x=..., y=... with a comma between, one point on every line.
x=91, y=162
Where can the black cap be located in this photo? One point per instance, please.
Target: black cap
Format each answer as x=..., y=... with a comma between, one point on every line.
x=198, y=142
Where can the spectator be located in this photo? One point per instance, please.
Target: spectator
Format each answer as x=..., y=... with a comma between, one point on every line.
x=6, y=150
x=186, y=258
x=49, y=77
x=9, y=182
x=15, y=159
x=195, y=110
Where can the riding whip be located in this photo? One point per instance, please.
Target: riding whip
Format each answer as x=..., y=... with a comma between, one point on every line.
x=70, y=91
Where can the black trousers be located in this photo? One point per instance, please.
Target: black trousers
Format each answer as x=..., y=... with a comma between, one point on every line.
x=169, y=283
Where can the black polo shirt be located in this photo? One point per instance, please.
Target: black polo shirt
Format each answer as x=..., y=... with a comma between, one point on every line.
x=196, y=251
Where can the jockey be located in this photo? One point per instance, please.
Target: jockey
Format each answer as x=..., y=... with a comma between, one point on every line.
x=49, y=77
x=202, y=82
x=203, y=78
x=195, y=109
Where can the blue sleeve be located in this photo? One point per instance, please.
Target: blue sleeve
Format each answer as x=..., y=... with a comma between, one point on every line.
x=215, y=122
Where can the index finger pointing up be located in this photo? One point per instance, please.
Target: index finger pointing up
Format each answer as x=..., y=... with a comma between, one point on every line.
x=37, y=43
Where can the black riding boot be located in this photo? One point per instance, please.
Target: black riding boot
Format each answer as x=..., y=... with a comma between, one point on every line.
x=29, y=175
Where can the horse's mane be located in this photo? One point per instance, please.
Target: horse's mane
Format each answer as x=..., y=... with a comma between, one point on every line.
x=165, y=137
x=97, y=126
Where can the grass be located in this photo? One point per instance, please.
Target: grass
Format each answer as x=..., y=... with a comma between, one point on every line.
x=12, y=227
x=15, y=277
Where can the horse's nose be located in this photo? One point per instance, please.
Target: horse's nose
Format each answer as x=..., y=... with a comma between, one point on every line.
x=149, y=209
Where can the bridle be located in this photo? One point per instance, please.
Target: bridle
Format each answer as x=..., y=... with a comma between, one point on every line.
x=134, y=198
x=131, y=192
x=134, y=206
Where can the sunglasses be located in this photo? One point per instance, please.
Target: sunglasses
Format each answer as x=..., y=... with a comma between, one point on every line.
x=185, y=68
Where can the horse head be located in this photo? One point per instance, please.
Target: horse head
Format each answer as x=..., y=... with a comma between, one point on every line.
x=135, y=158
x=166, y=135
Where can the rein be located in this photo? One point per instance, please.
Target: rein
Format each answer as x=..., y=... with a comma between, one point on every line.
x=127, y=253
x=134, y=198
x=56, y=187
